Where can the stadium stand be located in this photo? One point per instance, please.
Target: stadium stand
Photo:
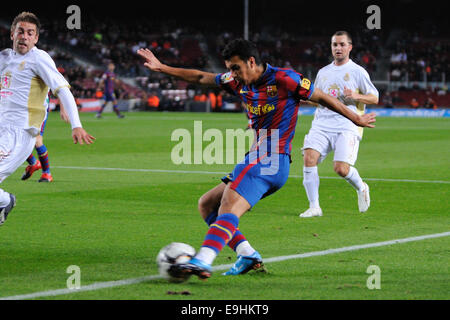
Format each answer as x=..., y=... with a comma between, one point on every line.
x=405, y=65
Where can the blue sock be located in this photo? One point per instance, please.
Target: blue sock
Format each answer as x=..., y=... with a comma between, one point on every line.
x=31, y=160
x=116, y=109
x=211, y=218
x=238, y=237
x=43, y=157
x=221, y=232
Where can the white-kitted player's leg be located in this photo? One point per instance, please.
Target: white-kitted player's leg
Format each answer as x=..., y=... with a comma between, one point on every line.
x=345, y=155
x=315, y=148
x=4, y=198
x=16, y=145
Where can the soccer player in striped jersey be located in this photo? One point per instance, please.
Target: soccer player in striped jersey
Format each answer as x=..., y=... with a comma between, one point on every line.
x=107, y=82
x=351, y=84
x=26, y=76
x=271, y=96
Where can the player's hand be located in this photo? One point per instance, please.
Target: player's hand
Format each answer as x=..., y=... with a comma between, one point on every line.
x=151, y=61
x=349, y=94
x=367, y=120
x=81, y=136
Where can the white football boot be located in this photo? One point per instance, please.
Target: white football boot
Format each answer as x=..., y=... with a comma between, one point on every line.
x=311, y=212
x=363, y=199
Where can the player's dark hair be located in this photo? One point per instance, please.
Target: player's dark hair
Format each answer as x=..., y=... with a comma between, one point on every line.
x=244, y=49
x=26, y=17
x=343, y=33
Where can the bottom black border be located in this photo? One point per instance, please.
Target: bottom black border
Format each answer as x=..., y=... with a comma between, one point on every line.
x=224, y=309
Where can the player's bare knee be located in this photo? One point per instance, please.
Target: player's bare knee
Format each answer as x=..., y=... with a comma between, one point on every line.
x=207, y=204
x=341, y=169
x=309, y=162
x=203, y=205
x=310, y=158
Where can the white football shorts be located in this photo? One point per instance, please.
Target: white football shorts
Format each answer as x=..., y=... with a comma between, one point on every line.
x=344, y=144
x=16, y=145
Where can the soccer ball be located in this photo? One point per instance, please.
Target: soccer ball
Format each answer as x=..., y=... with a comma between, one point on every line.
x=174, y=253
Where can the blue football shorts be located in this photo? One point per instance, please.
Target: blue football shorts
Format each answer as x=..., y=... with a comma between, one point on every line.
x=258, y=176
x=109, y=97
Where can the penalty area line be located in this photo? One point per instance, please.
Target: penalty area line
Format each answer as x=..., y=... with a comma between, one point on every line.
x=117, y=283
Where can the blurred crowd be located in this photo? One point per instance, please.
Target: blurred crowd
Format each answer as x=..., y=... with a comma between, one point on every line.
x=414, y=58
x=305, y=54
x=103, y=40
x=418, y=58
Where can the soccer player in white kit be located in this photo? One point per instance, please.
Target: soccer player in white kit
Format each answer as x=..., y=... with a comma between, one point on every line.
x=27, y=73
x=330, y=131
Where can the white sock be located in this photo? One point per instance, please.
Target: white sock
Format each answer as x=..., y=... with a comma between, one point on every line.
x=4, y=198
x=207, y=255
x=354, y=179
x=244, y=249
x=311, y=183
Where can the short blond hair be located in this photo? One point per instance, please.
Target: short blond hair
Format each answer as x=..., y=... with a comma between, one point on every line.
x=26, y=17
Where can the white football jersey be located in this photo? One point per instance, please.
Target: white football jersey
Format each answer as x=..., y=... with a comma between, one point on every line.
x=332, y=79
x=25, y=82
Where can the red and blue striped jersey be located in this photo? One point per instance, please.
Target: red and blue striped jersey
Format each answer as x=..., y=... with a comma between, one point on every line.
x=272, y=103
x=109, y=78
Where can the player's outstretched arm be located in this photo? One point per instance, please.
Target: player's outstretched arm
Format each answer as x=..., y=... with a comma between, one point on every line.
x=189, y=75
x=334, y=104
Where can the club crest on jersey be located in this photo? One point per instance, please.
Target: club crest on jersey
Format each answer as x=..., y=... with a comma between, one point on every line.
x=305, y=84
x=347, y=77
x=272, y=91
x=6, y=81
x=333, y=91
x=226, y=77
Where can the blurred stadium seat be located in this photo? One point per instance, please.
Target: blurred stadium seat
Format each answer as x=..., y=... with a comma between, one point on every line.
x=404, y=64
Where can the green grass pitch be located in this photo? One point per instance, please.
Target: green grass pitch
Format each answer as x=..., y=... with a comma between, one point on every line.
x=111, y=223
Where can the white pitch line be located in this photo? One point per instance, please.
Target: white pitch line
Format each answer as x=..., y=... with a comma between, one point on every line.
x=357, y=247
x=223, y=173
x=384, y=179
x=91, y=287
x=112, y=284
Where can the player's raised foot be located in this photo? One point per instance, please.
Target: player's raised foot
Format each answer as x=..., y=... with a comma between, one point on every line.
x=192, y=267
x=311, y=212
x=30, y=169
x=364, y=199
x=46, y=177
x=98, y=115
x=245, y=263
x=6, y=210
